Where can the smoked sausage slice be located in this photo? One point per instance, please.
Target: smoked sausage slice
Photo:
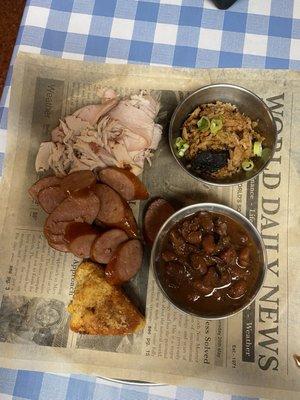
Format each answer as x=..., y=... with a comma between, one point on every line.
x=125, y=262
x=128, y=185
x=50, y=197
x=106, y=244
x=43, y=183
x=81, y=206
x=80, y=236
x=75, y=181
x=58, y=243
x=78, y=180
x=156, y=214
x=114, y=211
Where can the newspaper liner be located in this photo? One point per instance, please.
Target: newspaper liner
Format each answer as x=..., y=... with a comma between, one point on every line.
x=250, y=353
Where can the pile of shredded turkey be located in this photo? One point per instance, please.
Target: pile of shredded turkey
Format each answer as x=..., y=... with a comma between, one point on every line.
x=116, y=132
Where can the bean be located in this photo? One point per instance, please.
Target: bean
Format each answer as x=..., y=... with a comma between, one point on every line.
x=211, y=278
x=189, y=226
x=201, y=288
x=206, y=222
x=178, y=242
x=225, y=278
x=185, y=228
x=176, y=238
x=190, y=249
x=224, y=241
x=198, y=263
x=209, y=260
x=244, y=256
x=237, y=290
x=168, y=255
x=208, y=244
x=221, y=227
x=194, y=237
x=229, y=255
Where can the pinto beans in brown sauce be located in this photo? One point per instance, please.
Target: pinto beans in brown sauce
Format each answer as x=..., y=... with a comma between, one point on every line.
x=198, y=263
x=209, y=264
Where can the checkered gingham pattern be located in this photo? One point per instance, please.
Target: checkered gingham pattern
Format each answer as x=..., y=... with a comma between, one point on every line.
x=181, y=33
x=24, y=385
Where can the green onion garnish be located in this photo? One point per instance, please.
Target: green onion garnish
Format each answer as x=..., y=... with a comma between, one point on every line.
x=179, y=142
x=181, y=145
x=203, y=124
x=247, y=165
x=257, y=149
x=183, y=150
x=215, y=125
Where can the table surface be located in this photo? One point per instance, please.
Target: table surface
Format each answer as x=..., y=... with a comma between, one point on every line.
x=181, y=33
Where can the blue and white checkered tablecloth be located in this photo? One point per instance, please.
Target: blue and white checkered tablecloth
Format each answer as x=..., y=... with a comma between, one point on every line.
x=25, y=385
x=181, y=33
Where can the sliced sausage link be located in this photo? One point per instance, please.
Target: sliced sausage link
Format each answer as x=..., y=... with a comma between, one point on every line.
x=78, y=180
x=54, y=228
x=128, y=185
x=43, y=183
x=82, y=244
x=114, y=211
x=50, y=197
x=57, y=242
x=60, y=246
x=106, y=244
x=156, y=214
x=125, y=262
x=79, y=207
x=129, y=224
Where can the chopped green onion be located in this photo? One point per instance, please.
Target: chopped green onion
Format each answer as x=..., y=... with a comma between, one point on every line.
x=257, y=149
x=183, y=150
x=247, y=165
x=215, y=125
x=182, y=146
x=203, y=124
x=179, y=142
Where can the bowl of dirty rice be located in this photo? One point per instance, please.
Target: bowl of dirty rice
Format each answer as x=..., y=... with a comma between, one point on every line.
x=222, y=134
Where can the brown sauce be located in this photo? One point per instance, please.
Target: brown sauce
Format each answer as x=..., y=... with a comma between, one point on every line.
x=76, y=229
x=209, y=264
